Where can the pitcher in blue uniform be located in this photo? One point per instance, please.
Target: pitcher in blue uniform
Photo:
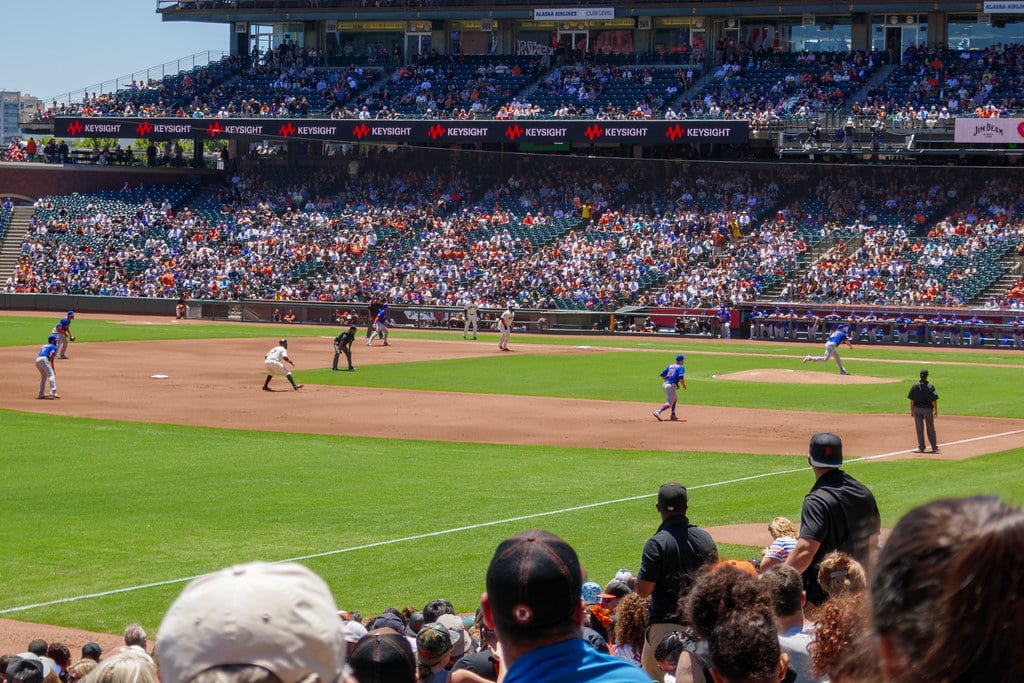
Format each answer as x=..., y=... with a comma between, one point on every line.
x=45, y=360
x=674, y=376
x=837, y=338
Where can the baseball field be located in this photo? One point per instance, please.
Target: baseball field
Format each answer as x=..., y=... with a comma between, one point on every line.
x=164, y=460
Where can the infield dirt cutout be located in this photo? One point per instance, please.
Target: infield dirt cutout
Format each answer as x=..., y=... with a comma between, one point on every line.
x=216, y=383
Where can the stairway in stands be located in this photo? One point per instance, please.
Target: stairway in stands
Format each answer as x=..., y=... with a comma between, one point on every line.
x=10, y=244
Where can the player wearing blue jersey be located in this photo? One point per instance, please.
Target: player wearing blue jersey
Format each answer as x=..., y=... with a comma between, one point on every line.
x=724, y=321
x=836, y=339
x=1017, y=326
x=380, y=326
x=45, y=360
x=674, y=376
x=62, y=330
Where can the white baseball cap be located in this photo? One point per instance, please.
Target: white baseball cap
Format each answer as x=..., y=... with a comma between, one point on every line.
x=281, y=617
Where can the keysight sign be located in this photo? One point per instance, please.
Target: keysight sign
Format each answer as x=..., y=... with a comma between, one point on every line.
x=574, y=132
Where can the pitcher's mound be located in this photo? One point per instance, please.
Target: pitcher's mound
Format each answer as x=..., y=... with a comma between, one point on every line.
x=778, y=376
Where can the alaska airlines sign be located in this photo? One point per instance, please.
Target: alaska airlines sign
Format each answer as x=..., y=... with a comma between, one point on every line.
x=548, y=131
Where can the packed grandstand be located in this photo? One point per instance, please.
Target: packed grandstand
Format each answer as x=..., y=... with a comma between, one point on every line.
x=598, y=227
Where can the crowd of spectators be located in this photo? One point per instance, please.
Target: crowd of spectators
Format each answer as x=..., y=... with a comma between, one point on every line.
x=549, y=236
x=897, y=614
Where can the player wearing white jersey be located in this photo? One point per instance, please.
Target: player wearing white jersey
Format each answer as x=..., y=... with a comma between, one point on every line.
x=472, y=317
x=505, y=325
x=274, y=364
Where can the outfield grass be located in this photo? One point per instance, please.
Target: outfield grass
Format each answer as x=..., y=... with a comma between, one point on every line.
x=94, y=506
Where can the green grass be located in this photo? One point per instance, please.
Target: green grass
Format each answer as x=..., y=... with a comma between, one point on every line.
x=94, y=506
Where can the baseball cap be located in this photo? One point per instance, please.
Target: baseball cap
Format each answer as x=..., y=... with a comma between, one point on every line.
x=26, y=668
x=433, y=642
x=281, y=617
x=924, y=373
x=742, y=565
x=590, y=592
x=457, y=631
x=826, y=450
x=672, y=497
x=615, y=589
x=352, y=630
x=680, y=357
x=92, y=651
x=71, y=314
x=414, y=624
x=534, y=581
x=382, y=656
x=389, y=620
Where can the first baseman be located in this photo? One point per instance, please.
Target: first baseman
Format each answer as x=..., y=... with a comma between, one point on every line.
x=45, y=361
x=834, y=341
x=674, y=376
x=273, y=362
x=62, y=330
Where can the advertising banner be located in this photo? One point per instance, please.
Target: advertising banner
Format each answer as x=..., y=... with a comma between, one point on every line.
x=648, y=133
x=989, y=131
x=573, y=13
x=1004, y=7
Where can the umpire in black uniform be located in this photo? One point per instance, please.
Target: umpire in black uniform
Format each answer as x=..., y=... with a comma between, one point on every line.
x=343, y=344
x=924, y=406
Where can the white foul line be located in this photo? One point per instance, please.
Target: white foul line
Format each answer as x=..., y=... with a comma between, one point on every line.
x=481, y=525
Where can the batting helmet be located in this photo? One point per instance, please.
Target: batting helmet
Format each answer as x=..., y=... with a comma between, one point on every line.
x=283, y=342
x=52, y=339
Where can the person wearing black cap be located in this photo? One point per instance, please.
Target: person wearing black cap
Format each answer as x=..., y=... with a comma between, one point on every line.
x=839, y=513
x=670, y=559
x=532, y=602
x=924, y=406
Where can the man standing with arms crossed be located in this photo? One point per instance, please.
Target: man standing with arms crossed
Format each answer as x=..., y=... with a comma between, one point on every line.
x=924, y=406
x=670, y=559
x=839, y=513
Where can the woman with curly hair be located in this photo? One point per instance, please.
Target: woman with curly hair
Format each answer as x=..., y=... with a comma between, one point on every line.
x=843, y=647
x=839, y=573
x=630, y=625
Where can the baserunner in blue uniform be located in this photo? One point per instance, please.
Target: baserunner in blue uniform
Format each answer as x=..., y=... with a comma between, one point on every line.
x=674, y=376
x=45, y=360
x=836, y=339
x=62, y=330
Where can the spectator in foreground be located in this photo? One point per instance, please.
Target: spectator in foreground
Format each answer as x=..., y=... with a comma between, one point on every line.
x=947, y=592
x=383, y=656
x=784, y=587
x=533, y=603
x=840, y=573
x=130, y=665
x=255, y=622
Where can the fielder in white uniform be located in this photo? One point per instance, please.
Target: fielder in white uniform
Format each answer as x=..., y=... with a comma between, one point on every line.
x=505, y=325
x=274, y=364
x=472, y=317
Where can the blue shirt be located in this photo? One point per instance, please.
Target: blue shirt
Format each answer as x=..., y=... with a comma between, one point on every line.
x=838, y=337
x=673, y=373
x=573, y=661
x=47, y=350
x=382, y=315
x=63, y=326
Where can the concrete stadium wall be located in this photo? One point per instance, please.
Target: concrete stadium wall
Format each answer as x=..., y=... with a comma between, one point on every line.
x=30, y=181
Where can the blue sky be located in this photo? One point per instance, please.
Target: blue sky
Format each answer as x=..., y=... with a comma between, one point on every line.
x=53, y=47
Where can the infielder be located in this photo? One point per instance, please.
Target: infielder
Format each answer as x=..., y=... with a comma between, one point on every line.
x=274, y=365
x=343, y=344
x=63, y=333
x=472, y=310
x=44, y=364
x=674, y=375
x=380, y=326
x=834, y=341
x=505, y=325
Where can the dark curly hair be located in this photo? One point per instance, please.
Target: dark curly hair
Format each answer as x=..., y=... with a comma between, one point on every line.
x=631, y=621
x=718, y=592
x=745, y=647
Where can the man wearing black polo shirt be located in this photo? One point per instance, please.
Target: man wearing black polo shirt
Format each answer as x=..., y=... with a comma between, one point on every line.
x=839, y=513
x=671, y=558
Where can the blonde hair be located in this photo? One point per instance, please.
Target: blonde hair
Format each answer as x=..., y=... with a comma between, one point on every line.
x=840, y=573
x=128, y=666
x=780, y=526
